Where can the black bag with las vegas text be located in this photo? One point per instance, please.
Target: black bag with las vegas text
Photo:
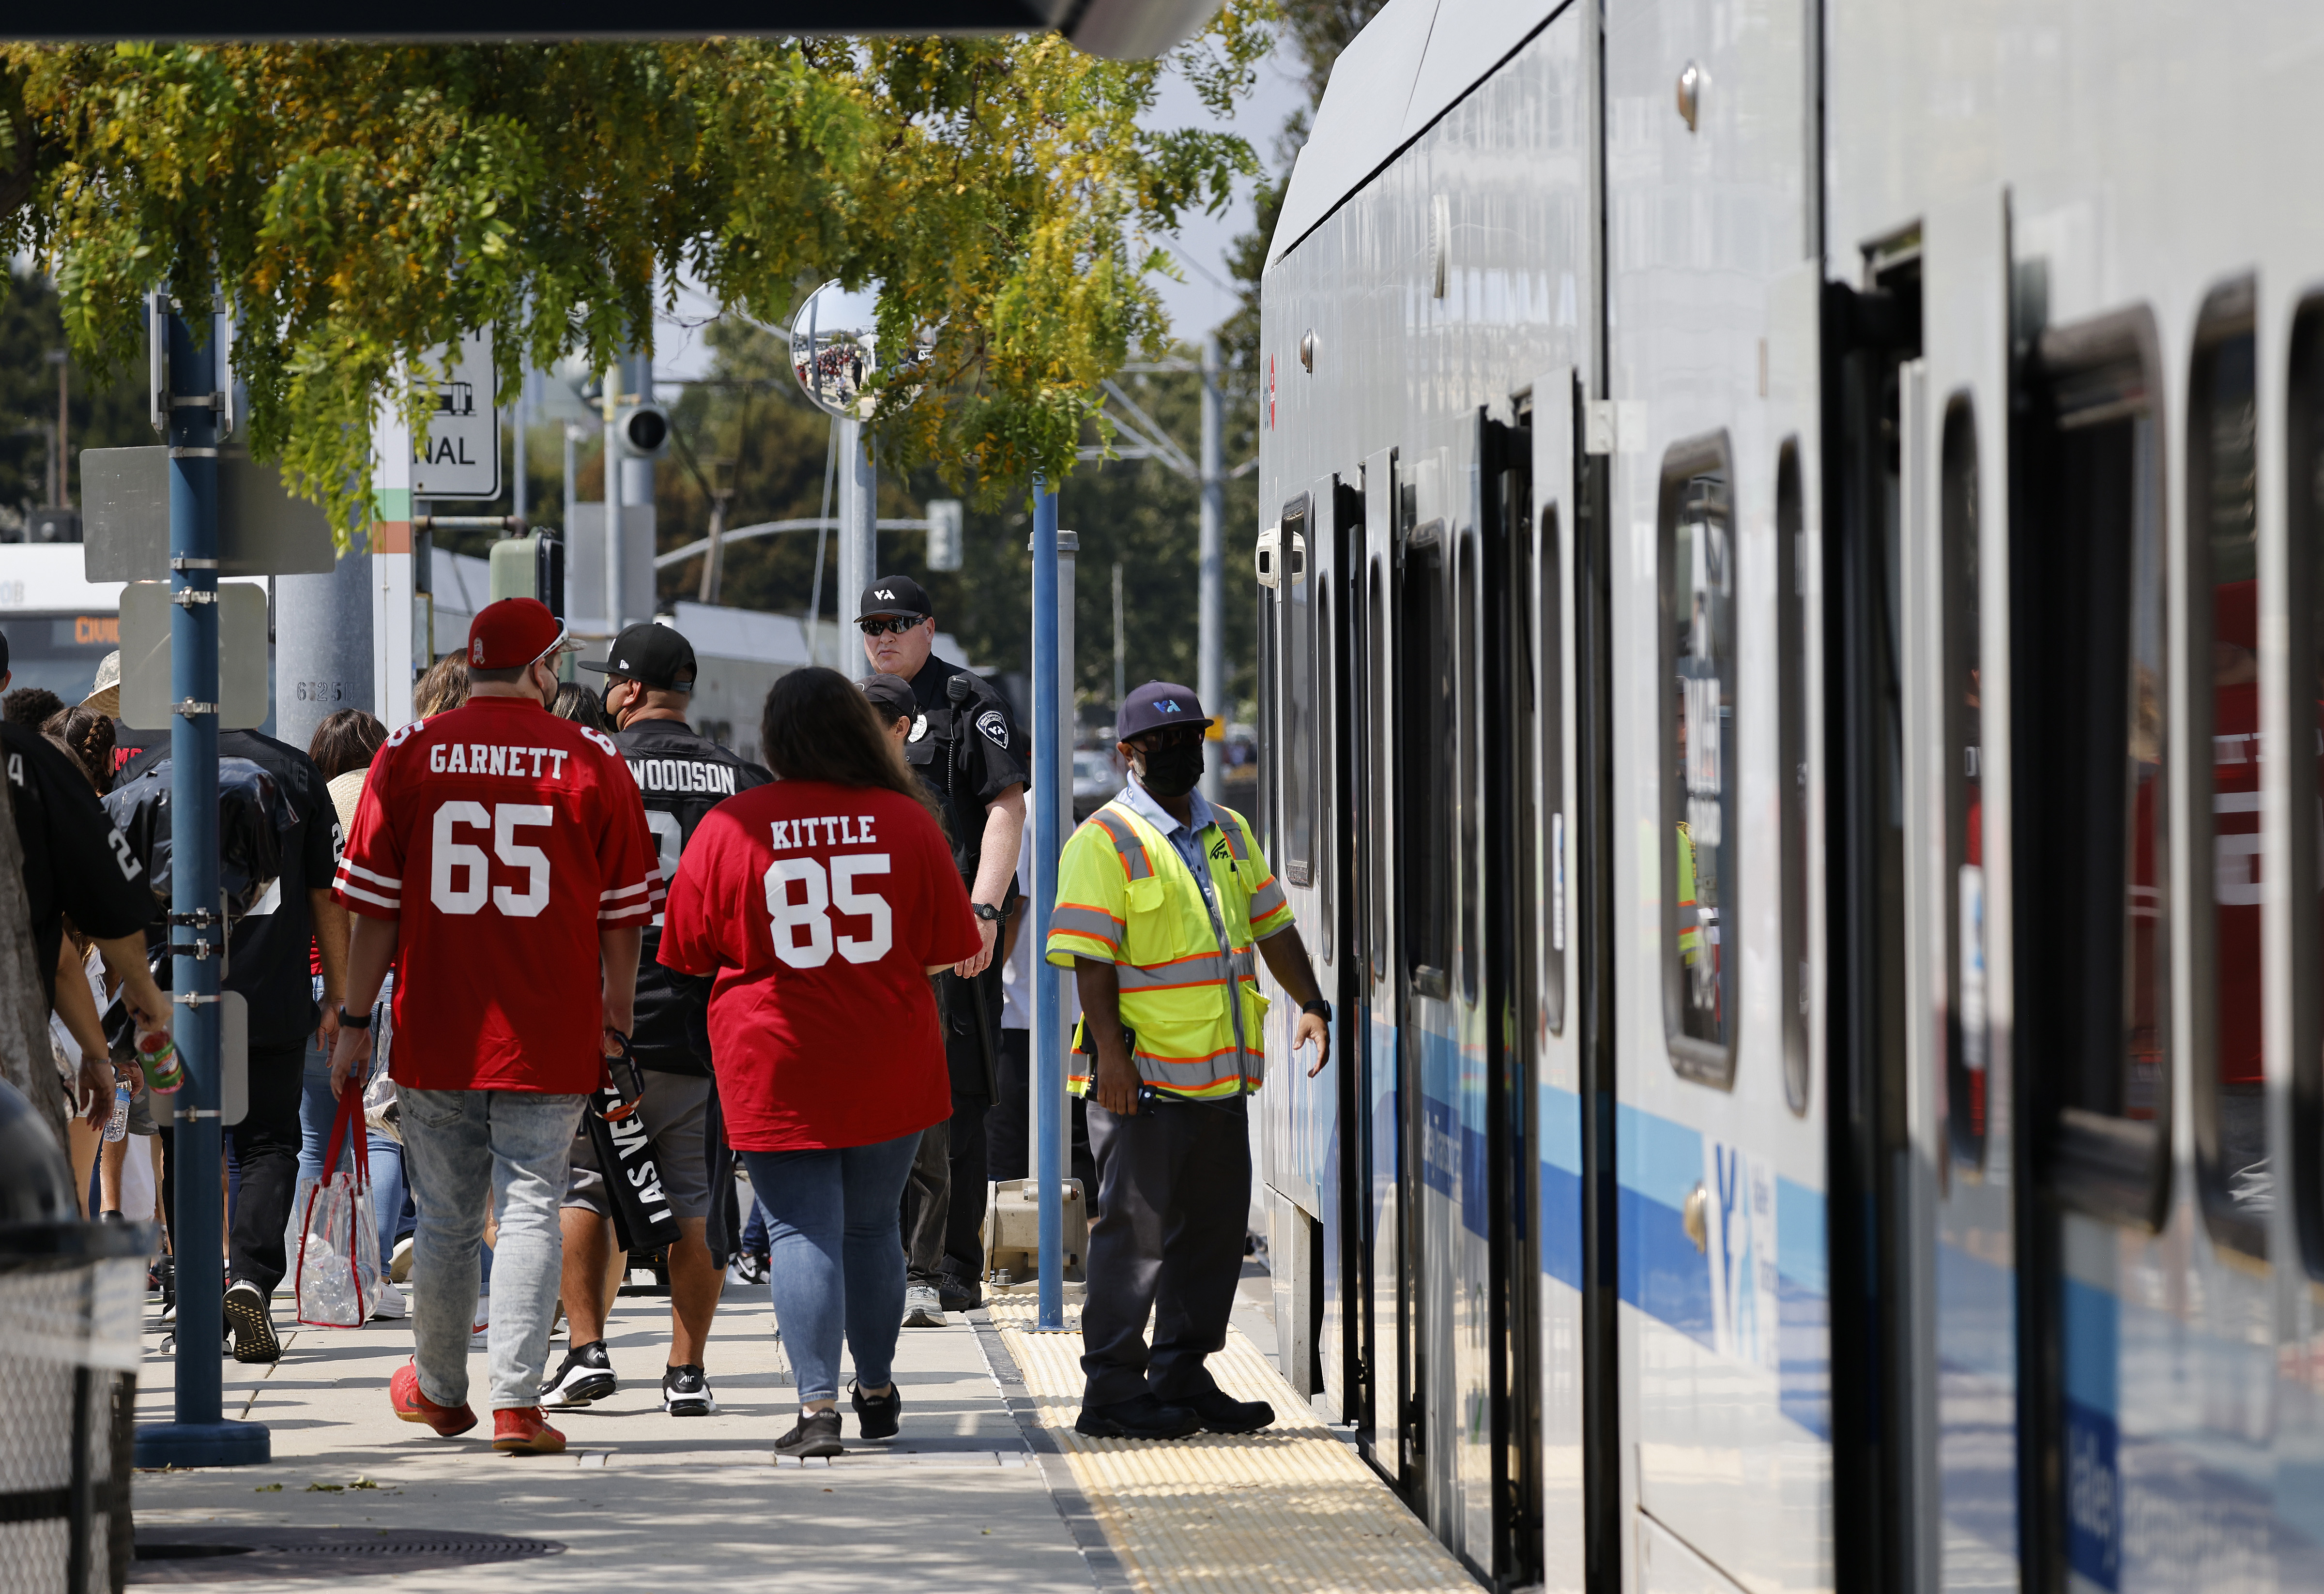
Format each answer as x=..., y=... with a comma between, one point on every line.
x=643, y=1218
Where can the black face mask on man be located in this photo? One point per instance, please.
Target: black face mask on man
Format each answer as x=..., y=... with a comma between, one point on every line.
x=1171, y=772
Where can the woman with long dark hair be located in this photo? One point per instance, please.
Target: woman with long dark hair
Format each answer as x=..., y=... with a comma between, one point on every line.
x=820, y=904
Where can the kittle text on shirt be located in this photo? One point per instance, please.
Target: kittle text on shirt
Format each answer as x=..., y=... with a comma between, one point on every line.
x=830, y=830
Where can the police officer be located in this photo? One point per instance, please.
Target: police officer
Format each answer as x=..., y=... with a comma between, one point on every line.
x=1160, y=898
x=650, y=674
x=963, y=742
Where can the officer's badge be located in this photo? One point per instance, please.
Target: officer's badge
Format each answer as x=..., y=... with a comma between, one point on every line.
x=919, y=728
x=995, y=728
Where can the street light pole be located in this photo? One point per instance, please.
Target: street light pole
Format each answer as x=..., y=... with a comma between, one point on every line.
x=859, y=540
x=1210, y=656
x=1118, y=652
x=1048, y=1009
x=200, y=1436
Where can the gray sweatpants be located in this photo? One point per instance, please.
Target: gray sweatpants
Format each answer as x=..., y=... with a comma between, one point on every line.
x=1174, y=1193
x=462, y=1149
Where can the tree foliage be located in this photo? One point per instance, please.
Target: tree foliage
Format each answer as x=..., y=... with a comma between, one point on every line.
x=359, y=204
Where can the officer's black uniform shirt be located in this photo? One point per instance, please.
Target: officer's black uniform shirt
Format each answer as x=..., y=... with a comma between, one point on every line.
x=76, y=860
x=682, y=775
x=967, y=755
x=269, y=960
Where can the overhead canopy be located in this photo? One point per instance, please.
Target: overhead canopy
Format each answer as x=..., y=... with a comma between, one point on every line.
x=1408, y=67
x=1124, y=30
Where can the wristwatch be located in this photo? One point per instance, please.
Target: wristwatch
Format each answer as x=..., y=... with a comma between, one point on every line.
x=1319, y=1007
x=987, y=912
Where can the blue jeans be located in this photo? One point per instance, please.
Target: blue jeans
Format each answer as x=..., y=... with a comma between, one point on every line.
x=317, y=1112
x=462, y=1149
x=836, y=1256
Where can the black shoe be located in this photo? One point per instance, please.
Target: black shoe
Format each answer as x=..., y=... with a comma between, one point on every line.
x=586, y=1375
x=252, y=1326
x=879, y=1416
x=959, y=1294
x=816, y=1434
x=1139, y=1417
x=686, y=1391
x=1221, y=1413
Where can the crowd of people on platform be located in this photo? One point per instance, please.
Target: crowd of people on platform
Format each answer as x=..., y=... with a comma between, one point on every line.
x=583, y=966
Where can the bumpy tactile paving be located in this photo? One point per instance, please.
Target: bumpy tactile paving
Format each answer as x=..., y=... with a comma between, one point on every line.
x=1291, y=1508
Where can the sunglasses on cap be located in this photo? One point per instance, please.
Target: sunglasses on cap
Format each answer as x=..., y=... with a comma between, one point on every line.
x=887, y=624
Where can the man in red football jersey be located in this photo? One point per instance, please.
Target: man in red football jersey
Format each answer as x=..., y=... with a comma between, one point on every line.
x=500, y=860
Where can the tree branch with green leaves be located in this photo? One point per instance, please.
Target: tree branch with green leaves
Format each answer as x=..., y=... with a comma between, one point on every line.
x=357, y=205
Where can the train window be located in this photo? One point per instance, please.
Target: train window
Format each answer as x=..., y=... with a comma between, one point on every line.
x=1472, y=795
x=1550, y=879
x=1696, y=555
x=1792, y=688
x=2094, y=845
x=1268, y=783
x=2304, y=511
x=1967, y=1037
x=1297, y=660
x=1425, y=726
x=2230, y=1095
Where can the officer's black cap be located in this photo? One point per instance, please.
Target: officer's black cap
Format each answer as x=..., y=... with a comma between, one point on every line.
x=891, y=696
x=651, y=655
x=1155, y=705
x=896, y=595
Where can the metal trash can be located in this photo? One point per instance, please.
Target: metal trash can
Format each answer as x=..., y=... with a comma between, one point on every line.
x=69, y=1296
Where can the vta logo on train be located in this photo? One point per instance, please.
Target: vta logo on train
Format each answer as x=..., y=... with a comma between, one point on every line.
x=2093, y=1496
x=1745, y=1311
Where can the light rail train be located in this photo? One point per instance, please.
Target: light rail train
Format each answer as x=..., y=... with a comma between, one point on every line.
x=1795, y=543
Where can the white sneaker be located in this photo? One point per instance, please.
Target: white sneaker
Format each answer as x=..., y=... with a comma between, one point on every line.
x=399, y=1261
x=480, y=1323
x=389, y=1302
x=922, y=1307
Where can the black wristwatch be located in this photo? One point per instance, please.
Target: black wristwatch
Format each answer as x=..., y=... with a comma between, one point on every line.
x=349, y=1021
x=987, y=912
x=1319, y=1007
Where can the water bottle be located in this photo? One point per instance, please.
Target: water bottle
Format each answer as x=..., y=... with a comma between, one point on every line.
x=117, y=1125
x=158, y=1055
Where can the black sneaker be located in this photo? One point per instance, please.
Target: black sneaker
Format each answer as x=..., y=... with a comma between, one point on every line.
x=879, y=1417
x=816, y=1434
x=1221, y=1413
x=686, y=1392
x=1139, y=1417
x=586, y=1375
x=958, y=1294
x=252, y=1328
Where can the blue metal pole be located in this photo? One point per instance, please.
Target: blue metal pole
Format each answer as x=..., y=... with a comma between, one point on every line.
x=200, y=1436
x=1048, y=1037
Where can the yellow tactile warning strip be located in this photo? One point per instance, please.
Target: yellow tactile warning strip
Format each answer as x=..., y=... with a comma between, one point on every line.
x=1288, y=1508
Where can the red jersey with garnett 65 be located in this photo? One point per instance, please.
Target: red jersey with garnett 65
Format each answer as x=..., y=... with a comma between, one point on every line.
x=499, y=839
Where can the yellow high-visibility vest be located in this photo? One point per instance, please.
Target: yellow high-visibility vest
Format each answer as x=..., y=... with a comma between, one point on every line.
x=1125, y=896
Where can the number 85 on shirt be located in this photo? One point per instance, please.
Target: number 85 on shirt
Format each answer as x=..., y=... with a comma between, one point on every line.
x=800, y=894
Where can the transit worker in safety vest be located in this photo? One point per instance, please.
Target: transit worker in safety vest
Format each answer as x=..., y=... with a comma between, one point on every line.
x=1160, y=898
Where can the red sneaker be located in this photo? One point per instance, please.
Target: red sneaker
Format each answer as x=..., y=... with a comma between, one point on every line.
x=520, y=1430
x=404, y=1393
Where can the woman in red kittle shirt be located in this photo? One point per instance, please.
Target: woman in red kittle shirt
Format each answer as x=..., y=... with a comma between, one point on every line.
x=819, y=905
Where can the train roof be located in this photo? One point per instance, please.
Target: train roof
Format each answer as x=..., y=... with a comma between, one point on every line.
x=1409, y=66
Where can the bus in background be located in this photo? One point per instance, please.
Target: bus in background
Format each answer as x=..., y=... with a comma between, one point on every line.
x=58, y=624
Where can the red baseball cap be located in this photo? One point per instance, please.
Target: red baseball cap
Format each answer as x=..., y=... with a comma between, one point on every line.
x=515, y=632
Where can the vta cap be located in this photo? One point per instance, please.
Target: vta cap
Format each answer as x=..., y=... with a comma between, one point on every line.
x=1155, y=705
x=653, y=656
x=892, y=697
x=896, y=595
x=515, y=632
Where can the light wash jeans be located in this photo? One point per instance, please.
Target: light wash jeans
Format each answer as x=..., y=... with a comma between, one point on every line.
x=460, y=1147
x=834, y=1257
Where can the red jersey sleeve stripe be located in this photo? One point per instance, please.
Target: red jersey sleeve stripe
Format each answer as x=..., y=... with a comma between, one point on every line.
x=347, y=888
x=614, y=915
x=348, y=866
x=615, y=895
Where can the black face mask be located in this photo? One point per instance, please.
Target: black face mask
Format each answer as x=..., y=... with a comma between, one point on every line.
x=1171, y=772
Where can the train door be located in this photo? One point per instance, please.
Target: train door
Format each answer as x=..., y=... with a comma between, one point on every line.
x=1384, y=1361
x=1962, y=1469
x=1338, y=628
x=1541, y=587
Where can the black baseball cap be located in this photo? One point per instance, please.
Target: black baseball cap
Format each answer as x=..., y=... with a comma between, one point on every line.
x=895, y=594
x=893, y=697
x=1155, y=705
x=651, y=655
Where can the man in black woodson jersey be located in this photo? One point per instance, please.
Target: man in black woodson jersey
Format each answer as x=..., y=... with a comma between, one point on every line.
x=648, y=679
x=965, y=744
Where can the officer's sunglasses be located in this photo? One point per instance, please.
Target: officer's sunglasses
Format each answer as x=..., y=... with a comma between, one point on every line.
x=888, y=624
x=1168, y=736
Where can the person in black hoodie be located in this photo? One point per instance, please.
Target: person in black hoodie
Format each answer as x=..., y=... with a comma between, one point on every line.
x=650, y=675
